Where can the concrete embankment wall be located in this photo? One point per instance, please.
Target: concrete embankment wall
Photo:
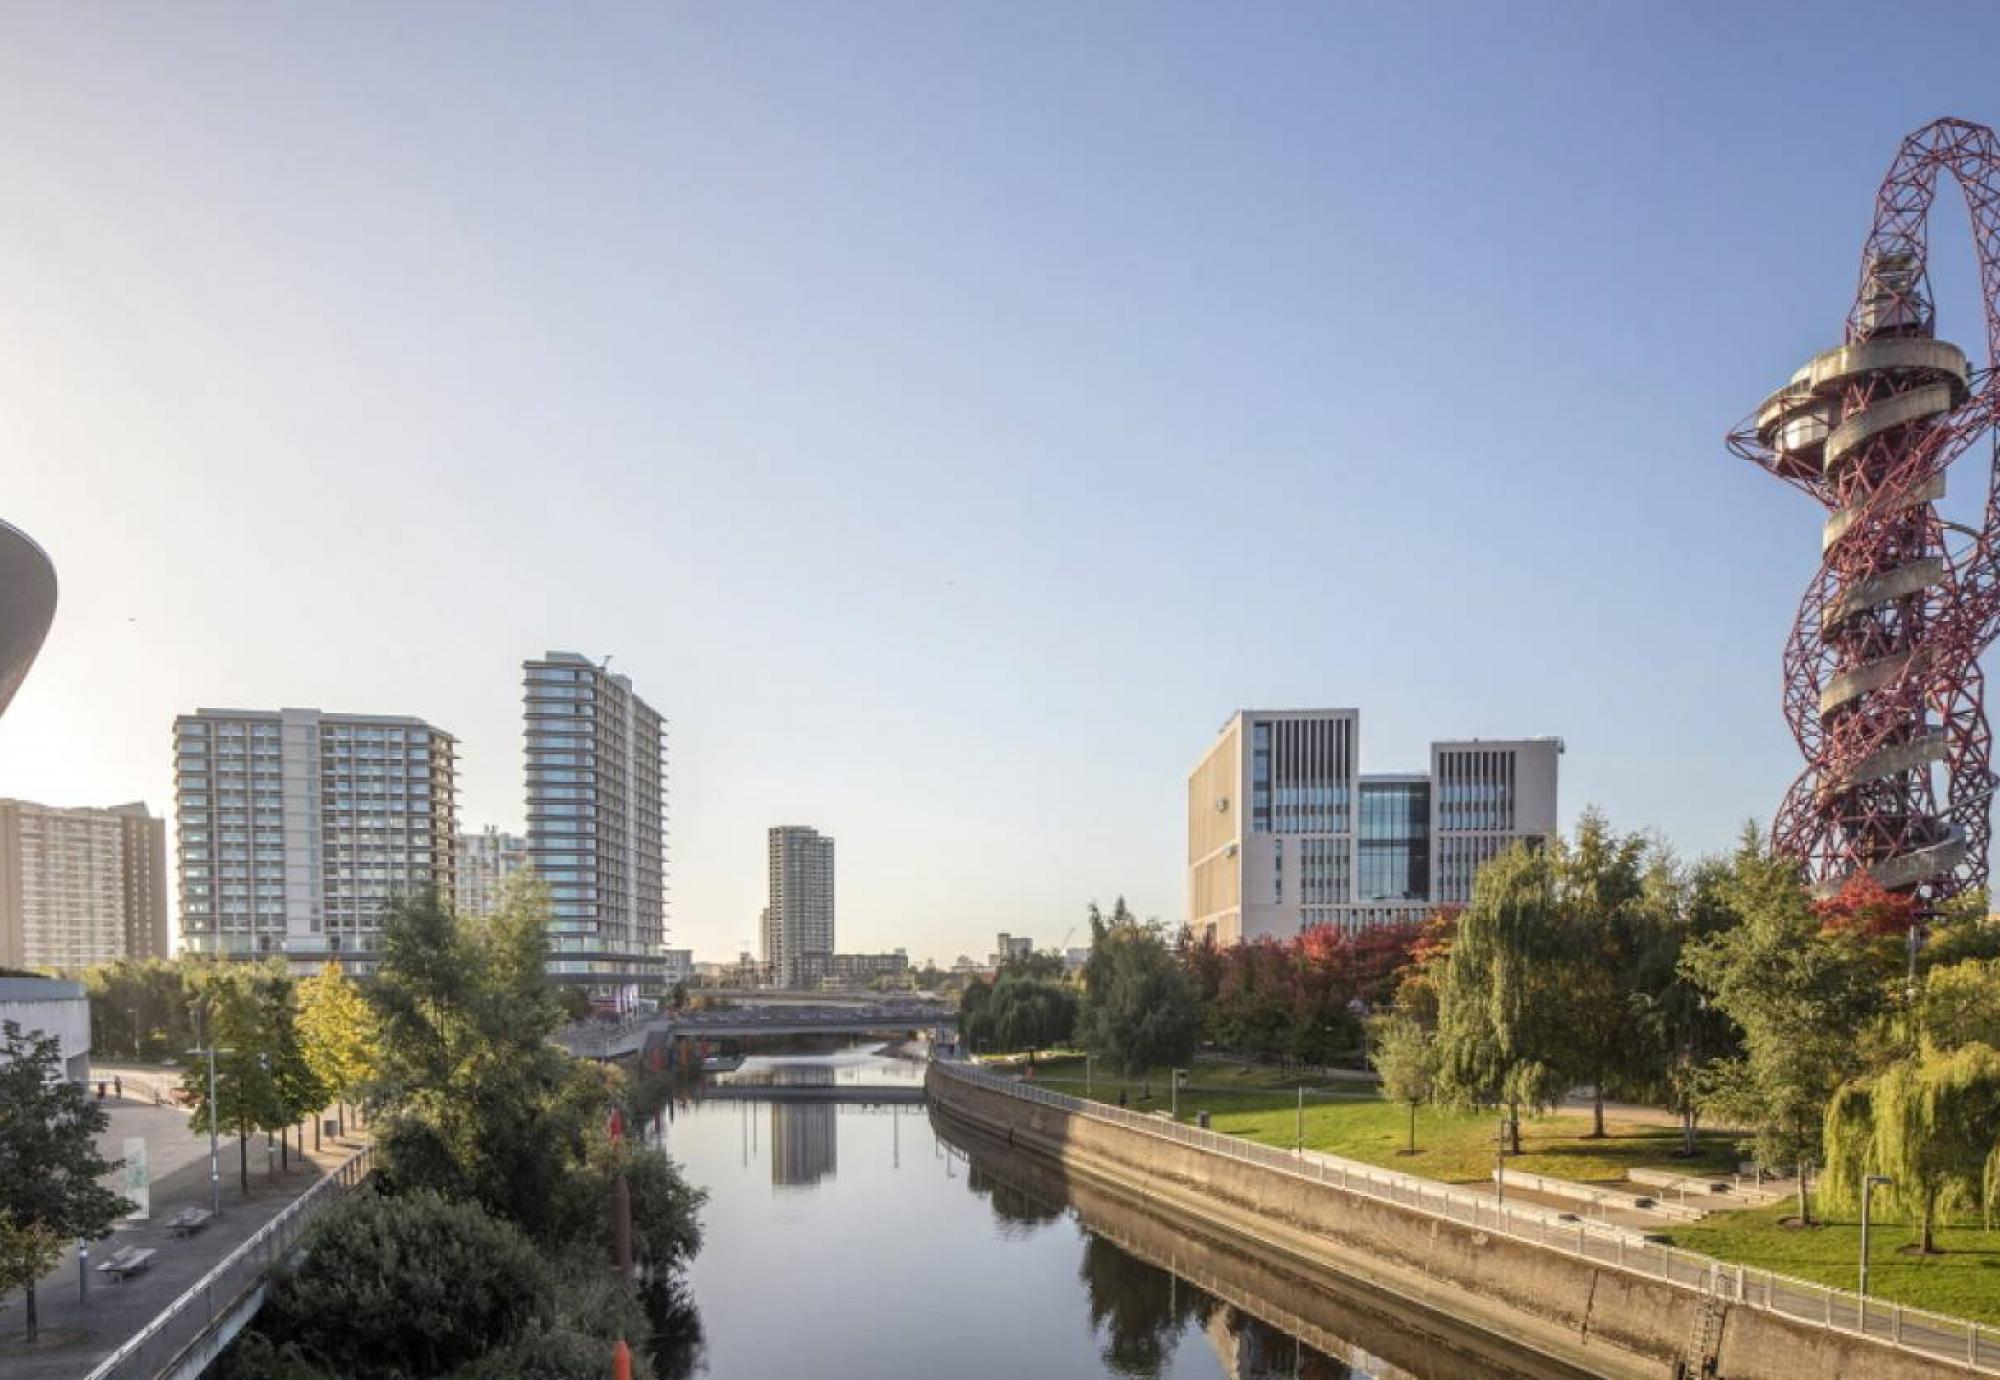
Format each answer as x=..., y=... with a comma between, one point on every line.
x=1610, y=1321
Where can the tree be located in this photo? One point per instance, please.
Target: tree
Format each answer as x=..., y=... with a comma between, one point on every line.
x=1803, y=998
x=139, y=1007
x=338, y=1032
x=50, y=1169
x=1031, y=1013
x=476, y=1102
x=28, y=1250
x=419, y=1286
x=1138, y=1005
x=233, y=1020
x=1686, y=1034
x=1607, y=952
x=1405, y=1058
x=1501, y=1041
x=1930, y=1122
x=1928, y=1117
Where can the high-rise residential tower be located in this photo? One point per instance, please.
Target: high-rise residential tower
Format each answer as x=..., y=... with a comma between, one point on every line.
x=1286, y=832
x=798, y=922
x=485, y=861
x=296, y=828
x=81, y=886
x=597, y=824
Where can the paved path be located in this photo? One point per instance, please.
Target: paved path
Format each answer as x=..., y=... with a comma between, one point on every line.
x=179, y=1162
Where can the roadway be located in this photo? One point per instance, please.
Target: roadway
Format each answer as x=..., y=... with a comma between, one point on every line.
x=602, y=1040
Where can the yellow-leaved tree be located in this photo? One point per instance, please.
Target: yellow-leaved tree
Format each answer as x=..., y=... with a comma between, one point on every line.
x=338, y=1030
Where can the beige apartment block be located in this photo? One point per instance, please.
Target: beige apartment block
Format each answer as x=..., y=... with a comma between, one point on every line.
x=296, y=829
x=485, y=861
x=1285, y=832
x=81, y=886
x=798, y=922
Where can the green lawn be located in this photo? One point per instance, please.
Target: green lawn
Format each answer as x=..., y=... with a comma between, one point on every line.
x=1457, y=1147
x=1964, y=1281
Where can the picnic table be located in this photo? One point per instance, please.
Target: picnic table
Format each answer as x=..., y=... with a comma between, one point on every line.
x=189, y=1220
x=128, y=1261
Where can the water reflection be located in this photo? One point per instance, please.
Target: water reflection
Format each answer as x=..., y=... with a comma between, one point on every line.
x=883, y=1242
x=1138, y=1310
x=805, y=1147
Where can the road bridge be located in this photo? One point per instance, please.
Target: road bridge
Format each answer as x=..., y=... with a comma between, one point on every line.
x=865, y=1094
x=593, y=1040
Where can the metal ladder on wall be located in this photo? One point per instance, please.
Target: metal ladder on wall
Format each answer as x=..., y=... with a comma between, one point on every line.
x=1698, y=1360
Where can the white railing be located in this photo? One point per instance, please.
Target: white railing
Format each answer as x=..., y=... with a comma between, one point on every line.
x=1933, y=1335
x=186, y=1320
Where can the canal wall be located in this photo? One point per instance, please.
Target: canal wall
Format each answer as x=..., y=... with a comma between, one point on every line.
x=1610, y=1321
x=1332, y=1312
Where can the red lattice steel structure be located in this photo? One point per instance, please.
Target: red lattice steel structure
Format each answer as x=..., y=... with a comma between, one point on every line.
x=1883, y=688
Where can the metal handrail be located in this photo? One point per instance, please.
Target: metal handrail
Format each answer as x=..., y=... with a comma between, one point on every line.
x=151, y=1349
x=1838, y=1310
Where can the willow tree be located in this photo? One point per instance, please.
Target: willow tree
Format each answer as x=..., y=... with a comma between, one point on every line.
x=1501, y=1040
x=1929, y=1120
x=1929, y=1123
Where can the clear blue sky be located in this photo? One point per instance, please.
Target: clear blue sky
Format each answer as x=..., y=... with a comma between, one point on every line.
x=946, y=413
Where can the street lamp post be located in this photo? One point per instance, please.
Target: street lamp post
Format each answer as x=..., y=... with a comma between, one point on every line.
x=1299, y=1130
x=1500, y=1160
x=1090, y=1075
x=214, y=1142
x=1867, y=1196
x=1174, y=1096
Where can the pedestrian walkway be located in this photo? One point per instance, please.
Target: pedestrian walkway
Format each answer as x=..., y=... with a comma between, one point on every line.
x=80, y=1331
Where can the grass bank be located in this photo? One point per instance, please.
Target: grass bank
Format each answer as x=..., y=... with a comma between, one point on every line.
x=1457, y=1147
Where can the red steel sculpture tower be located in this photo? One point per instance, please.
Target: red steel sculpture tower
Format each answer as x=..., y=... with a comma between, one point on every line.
x=1882, y=682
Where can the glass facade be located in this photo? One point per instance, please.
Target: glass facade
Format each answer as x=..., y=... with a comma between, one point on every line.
x=1393, y=843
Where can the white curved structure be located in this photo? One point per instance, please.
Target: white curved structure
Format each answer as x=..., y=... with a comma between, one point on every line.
x=27, y=606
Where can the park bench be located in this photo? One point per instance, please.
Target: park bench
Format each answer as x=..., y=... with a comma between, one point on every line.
x=127, y=1262
x=189, y=1220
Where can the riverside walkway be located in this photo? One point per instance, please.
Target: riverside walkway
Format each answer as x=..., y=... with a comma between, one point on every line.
x=1955, y=1344
x=79, y=1334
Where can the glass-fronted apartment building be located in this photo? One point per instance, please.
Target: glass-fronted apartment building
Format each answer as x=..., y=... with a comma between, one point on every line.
x=294, y=829
x=1286, y=832
x=597, y=825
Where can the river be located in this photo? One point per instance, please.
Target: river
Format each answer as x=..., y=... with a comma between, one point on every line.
x=845, y=1240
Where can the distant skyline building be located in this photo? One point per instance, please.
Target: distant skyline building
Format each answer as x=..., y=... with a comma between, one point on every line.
x=1285, y=832
x=296, y=828
x=1008, y=946
x=596, y=775
x=485, y=861
x=798, y=921
x=81, y=886
x=850, y=970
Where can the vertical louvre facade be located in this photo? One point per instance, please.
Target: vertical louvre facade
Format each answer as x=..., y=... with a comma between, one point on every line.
x=1490, y=796
x=1284, y=832
x=295, y=829
x=596, y=775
